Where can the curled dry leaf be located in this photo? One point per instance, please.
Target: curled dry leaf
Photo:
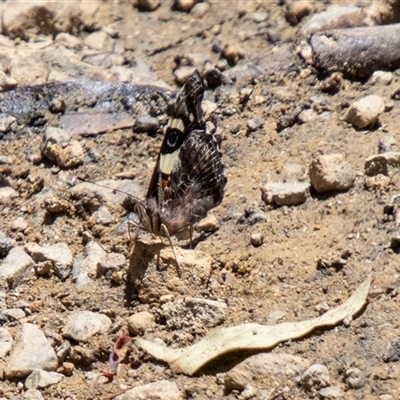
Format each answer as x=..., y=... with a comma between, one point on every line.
x=251, y=336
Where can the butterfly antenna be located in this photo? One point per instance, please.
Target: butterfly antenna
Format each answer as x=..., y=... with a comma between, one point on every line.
x=75, y=178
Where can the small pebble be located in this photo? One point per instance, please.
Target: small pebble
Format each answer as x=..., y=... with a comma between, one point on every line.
x=103, y=216
x=82, y=325
x=256, y=239
x=355, y=378
x=317, y=376
x=384, y=77
x=183, y=73
x=365, y=111
x=285, y=193
x=67, y=369
x=307, y=116
x=184, y=5
x=297, y=10
x=138, y=323
x=387, y=143
x=6, y=122
x=6, y=244
x=55, y=205
x=331, y=173
x=208, y=224
x=255, y=124
x=147, y=5
x=19, y=224
x=331, y=392
x=232, y=54
x=146, y=124
x=40, y=379
x=200, y=10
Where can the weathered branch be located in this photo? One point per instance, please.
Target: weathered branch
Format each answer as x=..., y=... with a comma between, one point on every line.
x=357, y=52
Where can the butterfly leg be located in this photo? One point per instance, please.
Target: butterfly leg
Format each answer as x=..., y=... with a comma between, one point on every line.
x=167, y=235
x=133, y=240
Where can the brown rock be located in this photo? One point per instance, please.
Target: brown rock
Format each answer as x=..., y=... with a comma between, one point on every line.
x=285, y=193
x=365, y=111
x=139, y=322
x=330, y=173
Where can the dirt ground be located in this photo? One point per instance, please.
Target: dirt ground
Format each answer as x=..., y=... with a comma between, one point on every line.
x=313, y=255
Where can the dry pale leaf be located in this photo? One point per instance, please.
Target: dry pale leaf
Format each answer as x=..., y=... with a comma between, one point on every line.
x=251, y=336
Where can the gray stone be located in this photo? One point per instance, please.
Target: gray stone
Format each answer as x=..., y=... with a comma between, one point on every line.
x=6, y=121
x=382, y=163
x=387, y=143
x=331, y=392
x=82, y=325
x=274, y=316
x=17, y=267
x=86, y=263
x=32, y=394
x=53, y=135
x=193, y=314
x=103, y=216
x=331, y=173
x=355, y=378
x=40, y=379
x=31, y=350
x=6, y=244
x=138, y=323
x=266, y=364
x=6, y=342
x=365, y=111
x=19, y=224
x=317, y=376
x=255, y=124
x=59, y=254
x=14, y=313
x=110, y=263
x=146, y=124
x=69, y=41
x=7, y=194
x=99, y=40
x=113, y=191
x=161, y=390
x=285, y=193
x=307, y=116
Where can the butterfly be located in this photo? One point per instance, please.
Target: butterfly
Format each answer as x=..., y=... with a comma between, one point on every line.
x=188, y=179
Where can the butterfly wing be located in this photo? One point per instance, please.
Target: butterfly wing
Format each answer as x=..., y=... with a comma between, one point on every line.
x=196, y=183
x=186, y=116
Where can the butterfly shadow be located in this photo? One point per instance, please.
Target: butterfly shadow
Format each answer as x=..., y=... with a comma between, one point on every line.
x=153, y=270
x=144, y=255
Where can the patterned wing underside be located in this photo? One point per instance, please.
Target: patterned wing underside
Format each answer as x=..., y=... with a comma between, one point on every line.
x=185, y=116
x=196, y=184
